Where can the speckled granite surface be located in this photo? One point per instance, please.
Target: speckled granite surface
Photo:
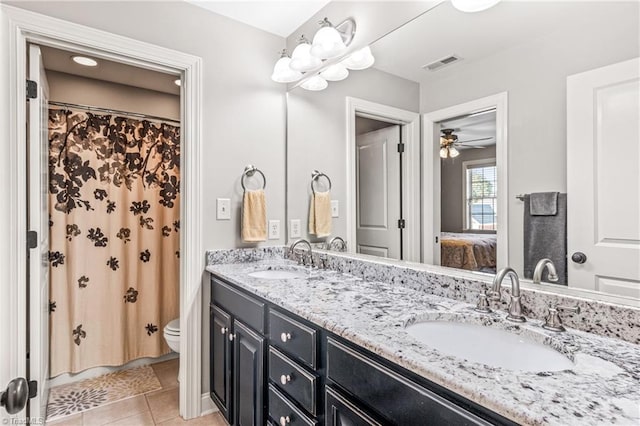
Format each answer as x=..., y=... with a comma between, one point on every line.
x=602, y=388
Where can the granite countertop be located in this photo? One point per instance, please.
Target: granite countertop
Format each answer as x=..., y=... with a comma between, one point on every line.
x=602, y=388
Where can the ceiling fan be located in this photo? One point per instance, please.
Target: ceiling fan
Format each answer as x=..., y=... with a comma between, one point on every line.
x=449, y=142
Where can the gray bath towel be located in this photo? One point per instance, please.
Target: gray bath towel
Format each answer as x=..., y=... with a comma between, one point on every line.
x=546, y=236
x=544, y=204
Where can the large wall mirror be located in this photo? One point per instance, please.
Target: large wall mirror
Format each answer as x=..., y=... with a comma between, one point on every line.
x=483, y=140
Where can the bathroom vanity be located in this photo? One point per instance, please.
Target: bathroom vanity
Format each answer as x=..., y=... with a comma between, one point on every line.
x=302, y=346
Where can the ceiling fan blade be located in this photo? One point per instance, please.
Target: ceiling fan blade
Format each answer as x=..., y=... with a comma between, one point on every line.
x=476, y=140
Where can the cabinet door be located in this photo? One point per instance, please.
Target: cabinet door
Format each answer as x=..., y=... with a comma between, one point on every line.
x=249, y=380
x=339, y=411
x=220, y=359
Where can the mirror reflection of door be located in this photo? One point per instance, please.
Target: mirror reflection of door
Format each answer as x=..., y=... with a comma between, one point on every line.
x=468, y=192
x=378, y=188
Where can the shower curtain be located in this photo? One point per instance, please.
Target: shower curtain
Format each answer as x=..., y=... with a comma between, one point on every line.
x=114, y=238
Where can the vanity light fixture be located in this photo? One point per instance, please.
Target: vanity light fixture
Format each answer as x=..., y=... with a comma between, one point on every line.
x=315, y=84
x=282, y=72
x=328, y=42
x=301, y=58
x=360, y=59
x=473, y=5
x=83, y=60
x=335, y=72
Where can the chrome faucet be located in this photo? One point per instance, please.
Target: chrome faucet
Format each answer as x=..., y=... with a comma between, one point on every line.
x=343, y=244
x=515, y=307
x=304, y=258
x=537, y=273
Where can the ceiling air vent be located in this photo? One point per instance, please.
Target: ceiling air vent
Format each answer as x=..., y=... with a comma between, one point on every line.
x=448, y=60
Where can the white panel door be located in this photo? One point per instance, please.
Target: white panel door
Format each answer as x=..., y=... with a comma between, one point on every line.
x=603, y=180
x=38, y=172
x=378, y=192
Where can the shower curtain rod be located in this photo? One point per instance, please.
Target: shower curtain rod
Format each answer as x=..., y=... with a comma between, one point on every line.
x=115, y=111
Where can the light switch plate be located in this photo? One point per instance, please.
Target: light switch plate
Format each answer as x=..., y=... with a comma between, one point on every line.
x=335, y=208
x=274, y=229
x=294, y=230
x=223, y=209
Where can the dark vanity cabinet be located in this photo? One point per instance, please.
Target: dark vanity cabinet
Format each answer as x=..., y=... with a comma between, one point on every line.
x=269, y=366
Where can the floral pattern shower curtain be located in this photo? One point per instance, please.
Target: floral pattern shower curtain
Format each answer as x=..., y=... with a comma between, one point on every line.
x=114, y=237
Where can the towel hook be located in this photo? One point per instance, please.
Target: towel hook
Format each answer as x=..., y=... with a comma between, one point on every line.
x=249, y=171
x=317, y=175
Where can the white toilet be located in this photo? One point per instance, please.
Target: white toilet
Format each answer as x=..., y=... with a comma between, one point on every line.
x=172, y=336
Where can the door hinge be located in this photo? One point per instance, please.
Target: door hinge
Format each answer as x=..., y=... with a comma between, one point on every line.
x=400, y=147
x=33, y=389
x=401, y=223
x=32, y=239
x=32, y=89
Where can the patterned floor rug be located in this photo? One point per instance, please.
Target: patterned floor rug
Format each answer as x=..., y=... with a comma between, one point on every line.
x=86, y=394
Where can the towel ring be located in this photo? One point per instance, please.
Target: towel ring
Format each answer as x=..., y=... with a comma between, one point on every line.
x=317, y=175
x=249, y=171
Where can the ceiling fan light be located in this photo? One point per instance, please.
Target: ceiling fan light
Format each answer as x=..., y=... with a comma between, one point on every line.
x=444, y=152
x=453, y=152
x=471, y=6
x=360, y=59
x=301, y=58
x=315, y=84
x=335, y=72
x=282, y=72
x=328, y=43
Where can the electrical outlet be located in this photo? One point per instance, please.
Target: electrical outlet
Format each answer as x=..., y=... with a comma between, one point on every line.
x=223, y=206
x=335, y=208
x=294, y=230
x=274, y=229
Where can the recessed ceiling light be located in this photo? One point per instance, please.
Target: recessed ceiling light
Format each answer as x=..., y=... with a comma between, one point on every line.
x=83, y=60
x=178, y=82
x=473, y=5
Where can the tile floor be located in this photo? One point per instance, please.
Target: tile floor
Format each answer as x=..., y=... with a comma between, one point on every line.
x=159, y=407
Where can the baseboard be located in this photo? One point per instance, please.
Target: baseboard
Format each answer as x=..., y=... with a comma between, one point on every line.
x=208, y=406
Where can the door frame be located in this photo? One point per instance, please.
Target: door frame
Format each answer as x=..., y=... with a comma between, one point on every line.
x=431, y=180
x=20, y=27
x=410, y=122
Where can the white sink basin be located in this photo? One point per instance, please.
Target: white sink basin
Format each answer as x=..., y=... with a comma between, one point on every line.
x=278, y=274
x=489, y=345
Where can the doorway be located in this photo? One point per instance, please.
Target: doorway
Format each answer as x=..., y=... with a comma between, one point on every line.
x=31, y=28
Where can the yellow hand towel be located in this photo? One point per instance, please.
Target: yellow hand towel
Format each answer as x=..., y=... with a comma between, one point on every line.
x=320, y=214
x=254, y=216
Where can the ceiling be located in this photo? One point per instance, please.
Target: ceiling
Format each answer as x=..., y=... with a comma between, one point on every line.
x=474, y=126
x=115, y=72
x=277, y=17
x=445, y=31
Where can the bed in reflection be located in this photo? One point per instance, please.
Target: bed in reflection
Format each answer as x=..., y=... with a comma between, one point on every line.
x=473, y=252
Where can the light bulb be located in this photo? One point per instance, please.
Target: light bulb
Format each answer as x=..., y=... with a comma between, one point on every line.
x=301, y=59
x=473, y=5
x=444, y=153
x=335, y=72
x=315, y=83
x=282, y=72
x=327, y=43
x=453, y=152
x=360, y=59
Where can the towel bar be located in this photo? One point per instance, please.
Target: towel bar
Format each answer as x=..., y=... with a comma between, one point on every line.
x=317, y=175
x=520, y=197
x=249, y=171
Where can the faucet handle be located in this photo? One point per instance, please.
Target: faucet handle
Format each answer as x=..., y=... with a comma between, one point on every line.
x=553, y=321
x=483, y=303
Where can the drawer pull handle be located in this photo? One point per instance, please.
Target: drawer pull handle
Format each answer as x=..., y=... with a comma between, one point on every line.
x=223, y=330
x=284, y=379
x=284, y=420
x=231, y=336
x=285, y=337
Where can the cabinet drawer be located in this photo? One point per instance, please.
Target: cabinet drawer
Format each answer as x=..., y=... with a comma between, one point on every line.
x=340, y=411
x=410, y=403
x=293, y=380
x=284, y=412
x=249, y=310
x=294, y=338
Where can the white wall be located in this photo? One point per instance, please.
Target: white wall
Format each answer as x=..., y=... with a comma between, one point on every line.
x=534, y=75
x=74, y=89
x=243, y=110
x=316, y=138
